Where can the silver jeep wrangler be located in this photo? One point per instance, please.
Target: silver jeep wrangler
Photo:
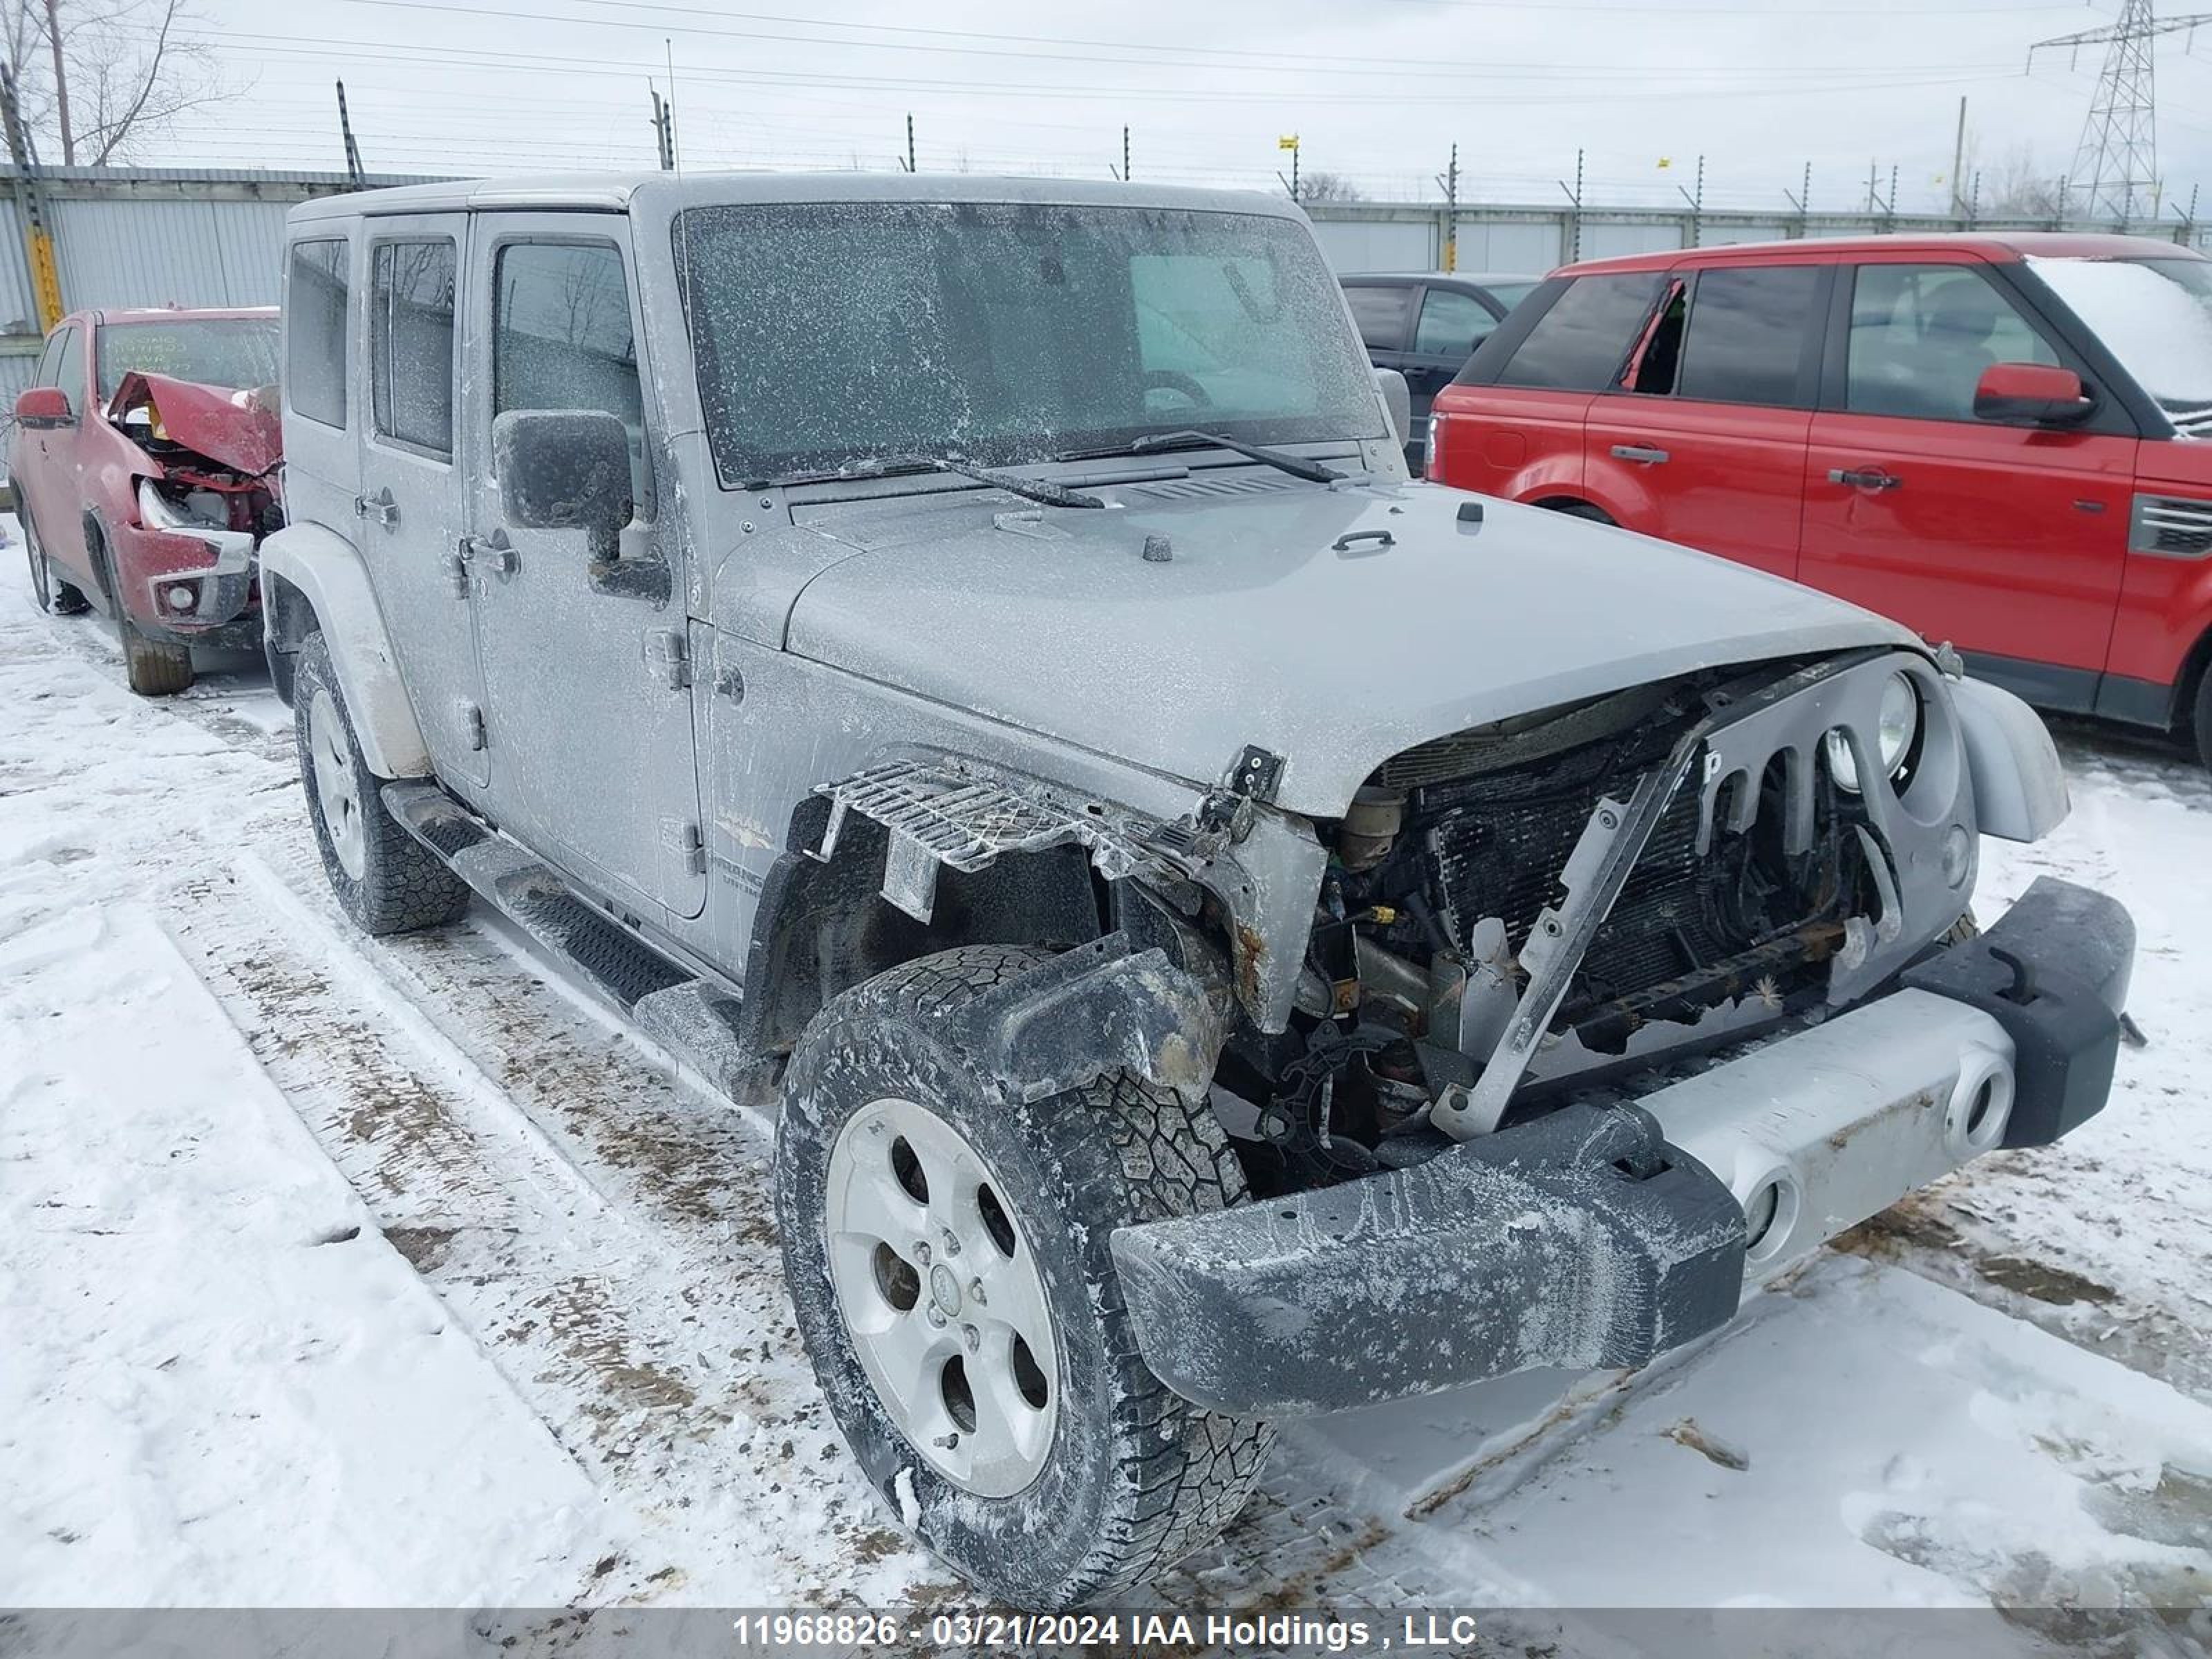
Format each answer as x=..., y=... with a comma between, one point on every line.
x=1237, y=934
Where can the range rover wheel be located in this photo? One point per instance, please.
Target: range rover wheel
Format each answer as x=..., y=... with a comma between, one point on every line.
x=52, y=593
x=2201, y=717
x=388, y=882
x=948, y=1258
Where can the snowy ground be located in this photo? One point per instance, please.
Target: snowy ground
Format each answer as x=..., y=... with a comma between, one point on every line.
x=335, y=1272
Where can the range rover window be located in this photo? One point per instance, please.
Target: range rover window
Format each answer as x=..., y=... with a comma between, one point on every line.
x=1380, y=310
x=562, y=338
x=1922, y=335
x=315, y=332
x=1750, y=330
x=1581, y=344
x=410, y=343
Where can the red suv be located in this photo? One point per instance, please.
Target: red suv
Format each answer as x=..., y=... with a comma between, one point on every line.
x=143, y=467
x=2004, y=441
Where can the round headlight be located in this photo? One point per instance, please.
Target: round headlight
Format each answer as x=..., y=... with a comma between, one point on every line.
x=1897, y=724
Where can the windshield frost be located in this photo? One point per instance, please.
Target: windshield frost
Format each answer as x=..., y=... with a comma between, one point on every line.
x=2154, y=315
x=831, y=334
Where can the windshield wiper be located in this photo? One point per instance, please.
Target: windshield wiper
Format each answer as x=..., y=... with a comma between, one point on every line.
x=1029, y=490
x=1297, y=465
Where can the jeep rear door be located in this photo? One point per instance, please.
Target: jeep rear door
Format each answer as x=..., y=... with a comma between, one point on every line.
x=407, y=507
x=588, y=691
x=2008, y=541
x=1703, y=441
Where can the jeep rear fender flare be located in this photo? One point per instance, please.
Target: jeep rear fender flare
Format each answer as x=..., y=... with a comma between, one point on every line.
x=313, y=580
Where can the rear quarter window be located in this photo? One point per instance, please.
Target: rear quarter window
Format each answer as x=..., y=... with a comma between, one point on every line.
x=315, y=332
x=1582, y=342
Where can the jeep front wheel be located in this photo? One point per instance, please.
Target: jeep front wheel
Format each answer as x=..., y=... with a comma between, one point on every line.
x=386, y=880
x=948, y=1255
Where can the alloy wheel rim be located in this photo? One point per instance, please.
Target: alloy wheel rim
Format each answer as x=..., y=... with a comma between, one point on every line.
x=942, y=1297
x=330, y=748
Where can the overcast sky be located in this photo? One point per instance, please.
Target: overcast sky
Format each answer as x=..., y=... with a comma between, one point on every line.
x=1377, y=90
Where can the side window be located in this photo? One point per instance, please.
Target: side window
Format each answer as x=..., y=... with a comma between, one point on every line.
x=69, y=367
x=1922, y=335
x=410, y=343
x=1750, y=330
x=315, y=332
x=1380, y=312
x=1582, y=343
x=562, y=339
x=1452, y=325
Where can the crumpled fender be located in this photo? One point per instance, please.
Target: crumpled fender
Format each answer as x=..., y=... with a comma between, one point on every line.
x=232, y=428
x=312, y=579
x=1100, y=1007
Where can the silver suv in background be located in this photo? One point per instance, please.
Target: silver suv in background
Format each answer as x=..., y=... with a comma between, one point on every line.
x=1233, y=934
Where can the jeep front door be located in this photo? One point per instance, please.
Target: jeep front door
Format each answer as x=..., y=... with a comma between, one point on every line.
x=585, y=666
x=409, y=511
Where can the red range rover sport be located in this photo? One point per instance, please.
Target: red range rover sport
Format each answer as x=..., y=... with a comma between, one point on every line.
x=2003, y=442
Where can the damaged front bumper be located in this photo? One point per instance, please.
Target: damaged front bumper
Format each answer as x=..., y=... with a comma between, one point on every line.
x=1606, y=1235
x=195, y=586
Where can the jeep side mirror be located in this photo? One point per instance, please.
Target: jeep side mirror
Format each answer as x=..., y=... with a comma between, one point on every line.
x=2031, y=394
x=564, y=468
x=1398, y=400
x=42, y=408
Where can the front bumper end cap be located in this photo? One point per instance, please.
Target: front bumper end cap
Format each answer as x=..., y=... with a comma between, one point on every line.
x=2053, y=971
x=1582, y=1239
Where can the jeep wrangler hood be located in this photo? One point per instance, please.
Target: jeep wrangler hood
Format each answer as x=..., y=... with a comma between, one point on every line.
x=1333, y=626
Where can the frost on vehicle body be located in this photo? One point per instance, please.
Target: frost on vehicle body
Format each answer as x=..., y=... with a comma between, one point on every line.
x=1238, y=934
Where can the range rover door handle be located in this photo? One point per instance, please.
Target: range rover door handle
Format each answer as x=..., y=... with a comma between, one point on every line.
x=1869, y=477
x=1644, y=452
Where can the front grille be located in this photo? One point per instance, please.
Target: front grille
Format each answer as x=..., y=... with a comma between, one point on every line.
x=1495, y=845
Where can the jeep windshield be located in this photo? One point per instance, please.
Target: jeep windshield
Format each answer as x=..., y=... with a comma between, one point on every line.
x=830, y=335
x=2155, y=316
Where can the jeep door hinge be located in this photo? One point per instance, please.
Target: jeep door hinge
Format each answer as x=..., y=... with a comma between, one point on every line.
x=668, y=659
x=472, y=721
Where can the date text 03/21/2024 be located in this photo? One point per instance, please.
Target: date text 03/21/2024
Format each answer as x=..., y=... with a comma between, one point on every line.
x=1414, y=1631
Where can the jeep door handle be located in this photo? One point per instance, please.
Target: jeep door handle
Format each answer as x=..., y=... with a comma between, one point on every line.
x=378, y=509
x=1644, y=452
x=1871, y=477
x=493, y=553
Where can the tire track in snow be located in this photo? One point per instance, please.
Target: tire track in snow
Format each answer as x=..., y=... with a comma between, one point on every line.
x=664, y=1365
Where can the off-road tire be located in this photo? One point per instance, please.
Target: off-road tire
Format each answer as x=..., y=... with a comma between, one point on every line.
x=1136, y=1476
x=48, y=591
x=402, y=885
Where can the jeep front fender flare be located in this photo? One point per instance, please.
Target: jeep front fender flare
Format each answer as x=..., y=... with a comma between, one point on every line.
x=312, y=579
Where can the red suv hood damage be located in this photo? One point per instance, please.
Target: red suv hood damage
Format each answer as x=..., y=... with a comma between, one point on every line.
x=236, y=429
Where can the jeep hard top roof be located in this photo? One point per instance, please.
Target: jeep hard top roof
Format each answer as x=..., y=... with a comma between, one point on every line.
x=666, y=193
x=2000, y=247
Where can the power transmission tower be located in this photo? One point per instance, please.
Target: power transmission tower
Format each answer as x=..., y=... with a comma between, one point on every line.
x=2116, y=165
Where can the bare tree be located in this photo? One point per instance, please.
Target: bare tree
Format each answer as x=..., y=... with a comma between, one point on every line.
x=2014, y=186
x=1328, y=187
x=100, y=78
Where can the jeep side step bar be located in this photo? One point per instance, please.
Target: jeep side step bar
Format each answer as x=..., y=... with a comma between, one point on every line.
x=694, y=1018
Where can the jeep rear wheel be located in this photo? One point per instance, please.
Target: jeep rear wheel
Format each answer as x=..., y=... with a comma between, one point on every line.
x=949, y=1260
x=387, y=881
